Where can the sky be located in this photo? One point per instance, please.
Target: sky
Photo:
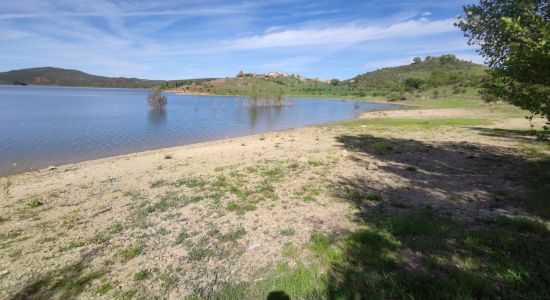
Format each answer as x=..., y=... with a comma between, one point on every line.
x=179, y=39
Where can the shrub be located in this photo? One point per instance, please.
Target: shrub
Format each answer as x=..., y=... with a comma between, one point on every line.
x=157, y=100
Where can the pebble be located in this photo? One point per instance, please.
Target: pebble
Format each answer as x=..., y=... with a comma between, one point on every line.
x=254, y=247
x=372, y=166
x=4, y=272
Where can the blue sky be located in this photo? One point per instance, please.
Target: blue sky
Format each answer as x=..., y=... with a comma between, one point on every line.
x=190, y=39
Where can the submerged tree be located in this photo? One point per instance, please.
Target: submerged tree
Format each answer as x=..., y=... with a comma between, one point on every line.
x=514, y=36
x=265, y=98
x=156, y=100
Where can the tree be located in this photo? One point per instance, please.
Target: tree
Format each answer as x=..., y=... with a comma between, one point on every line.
x=417, y=60
x=514, y=36
x=156, y=100
x=413, y=83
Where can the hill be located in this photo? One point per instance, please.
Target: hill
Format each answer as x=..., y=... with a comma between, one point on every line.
x=67, y=77
x=431, y=77
x=431, y=74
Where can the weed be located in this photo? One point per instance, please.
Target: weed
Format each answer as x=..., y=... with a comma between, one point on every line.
x=315, y=162
x=233, y=235
x=240, y=208
x=129, y=253
x=158, y=183
x=359, y=196
x=182, y=236
x=412, y=169
x=126, y=295
x=308, y=193
x=288, y=232
x=103, y=288
x=116, y=227
x=191, y=183
x=168, y=281
x=141, y=275
x=34, y=202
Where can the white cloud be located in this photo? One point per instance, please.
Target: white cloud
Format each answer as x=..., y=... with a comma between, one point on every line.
x=343, y=35
x=426, y=14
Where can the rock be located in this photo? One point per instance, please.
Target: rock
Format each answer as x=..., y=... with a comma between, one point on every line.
x=345, y=153
x=372, y=166
x=253, y=247
x=50, y=168
x=4, y=272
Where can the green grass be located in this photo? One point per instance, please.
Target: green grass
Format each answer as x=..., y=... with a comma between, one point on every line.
x=127, y=254
x=308, y=193
x=104, y=288
x=417, y=123
x=233, y=235
x=357, y=196
x=412, y=169
x=192, y=183
x=416, y=255
x=174, y=199
x=240, y=208
x=34, y=202
x=141, y=275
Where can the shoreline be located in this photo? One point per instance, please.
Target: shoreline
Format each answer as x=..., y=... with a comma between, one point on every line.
x=46, y=168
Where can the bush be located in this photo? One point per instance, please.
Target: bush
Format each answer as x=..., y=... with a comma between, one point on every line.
x=157, y=100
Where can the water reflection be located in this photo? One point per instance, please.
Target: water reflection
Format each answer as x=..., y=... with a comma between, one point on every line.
x=157, y=118
x=268, y=116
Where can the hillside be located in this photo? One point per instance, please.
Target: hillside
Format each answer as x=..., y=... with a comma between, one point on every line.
x=67, y=77
x=433, y=73
x=431, y=77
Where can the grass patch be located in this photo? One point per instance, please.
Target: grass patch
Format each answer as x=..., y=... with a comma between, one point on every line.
x=158, y=183
x=174, y=199
x=182, y=236
x=34, y=202
x=192, y=183
x=417, y=123
x=103, y=288
x=288, y=232
x=127, y=254
x=522, y=224
x=308, y=193
x=357, y=196
x=412, y=169
x=141, y=275
x=233, y=235
x=240, y=208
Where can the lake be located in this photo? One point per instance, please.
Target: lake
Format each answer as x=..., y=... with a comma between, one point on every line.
x=43, y=126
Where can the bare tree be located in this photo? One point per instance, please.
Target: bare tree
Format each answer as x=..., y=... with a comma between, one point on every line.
x=157, y=100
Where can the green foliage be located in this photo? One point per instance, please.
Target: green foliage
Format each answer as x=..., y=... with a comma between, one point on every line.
x=127, y=254
x=446, y=70
x=514, y=40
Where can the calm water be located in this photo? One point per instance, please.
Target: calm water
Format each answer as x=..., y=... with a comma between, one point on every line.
x=42, y=126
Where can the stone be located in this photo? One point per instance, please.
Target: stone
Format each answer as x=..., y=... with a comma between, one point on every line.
x=253, y=247
x=50, y=168
x=372, y=166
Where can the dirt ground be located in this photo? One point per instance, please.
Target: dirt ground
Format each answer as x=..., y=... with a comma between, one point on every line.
x=175, y=221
